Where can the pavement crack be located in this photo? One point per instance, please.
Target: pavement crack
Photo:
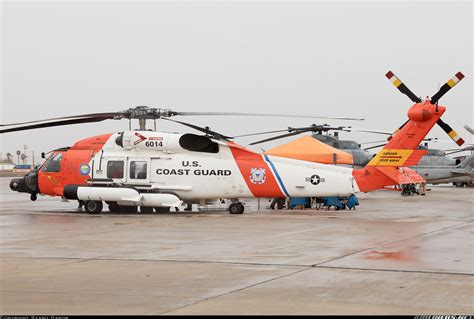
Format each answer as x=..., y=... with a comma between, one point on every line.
x=237, y=290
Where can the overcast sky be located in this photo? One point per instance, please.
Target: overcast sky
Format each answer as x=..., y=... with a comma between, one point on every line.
x=310, y=58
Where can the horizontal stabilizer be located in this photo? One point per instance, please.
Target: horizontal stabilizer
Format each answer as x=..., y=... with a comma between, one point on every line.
x=402, y=175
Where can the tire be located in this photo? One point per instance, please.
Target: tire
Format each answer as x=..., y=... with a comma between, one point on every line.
x=236, y=208
x=162, y=209
x=146, y=209
x=93, y=207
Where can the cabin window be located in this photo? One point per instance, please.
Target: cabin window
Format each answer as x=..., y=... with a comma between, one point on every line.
x=115, y=169
x=53, y=164
x=138, y=169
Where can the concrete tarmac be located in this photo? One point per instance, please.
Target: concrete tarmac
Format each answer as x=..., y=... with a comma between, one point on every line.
x=393, y=255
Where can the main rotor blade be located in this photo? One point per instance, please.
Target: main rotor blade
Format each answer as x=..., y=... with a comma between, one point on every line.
x=202, y=129
x=52, y=124
x=267, y=132
x=469, y=148
x=402, y=87
x=312, y=128
x=384, y=141
x=369, y=131
x=92, y=115
x=469, y=129
x=451, y=133
x=375, y=146
x=263, y=114
x=277, y=137
x=446, y=87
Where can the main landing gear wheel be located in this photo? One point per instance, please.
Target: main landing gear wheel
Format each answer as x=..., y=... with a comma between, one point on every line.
x=146, y=210
x=93, y=207
x=236, y=208
x=162, y=209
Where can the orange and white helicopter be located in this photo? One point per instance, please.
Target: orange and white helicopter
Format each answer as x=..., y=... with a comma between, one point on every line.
x=152, y=169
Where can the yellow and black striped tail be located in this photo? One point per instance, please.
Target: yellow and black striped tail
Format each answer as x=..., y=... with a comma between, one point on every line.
x=452, y=134
x=402, y=87
x=446, y=87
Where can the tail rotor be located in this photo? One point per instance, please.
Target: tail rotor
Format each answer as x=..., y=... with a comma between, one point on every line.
x=434, y=101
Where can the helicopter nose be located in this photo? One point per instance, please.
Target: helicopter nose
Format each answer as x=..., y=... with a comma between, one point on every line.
x=27, y=184
x=18, y=185
x=15, y=184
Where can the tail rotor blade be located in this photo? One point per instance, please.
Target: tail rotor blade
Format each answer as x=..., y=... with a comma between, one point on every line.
x=452, y=134
x=446, y=87
x=402, y=87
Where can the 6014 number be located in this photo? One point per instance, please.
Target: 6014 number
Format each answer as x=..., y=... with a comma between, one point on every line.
x=153, y=144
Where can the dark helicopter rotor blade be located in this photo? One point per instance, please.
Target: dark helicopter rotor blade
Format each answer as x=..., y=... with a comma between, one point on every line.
x=277, y=137
x=109, y=115
x=262, y=114
x=55, y=123
x=373, y=142
x=451, y=133
x=453, y=151
x=469, y=129
x=368, y=131
x=446, y=87
x=263, y=133
x=202, y=129
x=402, y=87
x=375, y=146
x=313, y=128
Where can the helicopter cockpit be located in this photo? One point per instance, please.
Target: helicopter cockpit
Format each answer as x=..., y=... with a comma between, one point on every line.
x=53, y=163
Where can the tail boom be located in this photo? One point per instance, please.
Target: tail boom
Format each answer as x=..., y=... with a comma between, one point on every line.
x=388, y=166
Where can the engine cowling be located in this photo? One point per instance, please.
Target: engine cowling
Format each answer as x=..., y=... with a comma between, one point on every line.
x=166, y=142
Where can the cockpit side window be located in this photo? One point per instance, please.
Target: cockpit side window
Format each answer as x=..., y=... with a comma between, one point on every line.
x=53, y=164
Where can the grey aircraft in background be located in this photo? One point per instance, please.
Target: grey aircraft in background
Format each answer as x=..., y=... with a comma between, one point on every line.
x=436, y=167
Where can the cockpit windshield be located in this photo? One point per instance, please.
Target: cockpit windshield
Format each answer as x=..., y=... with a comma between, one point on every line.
x=53, y=164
